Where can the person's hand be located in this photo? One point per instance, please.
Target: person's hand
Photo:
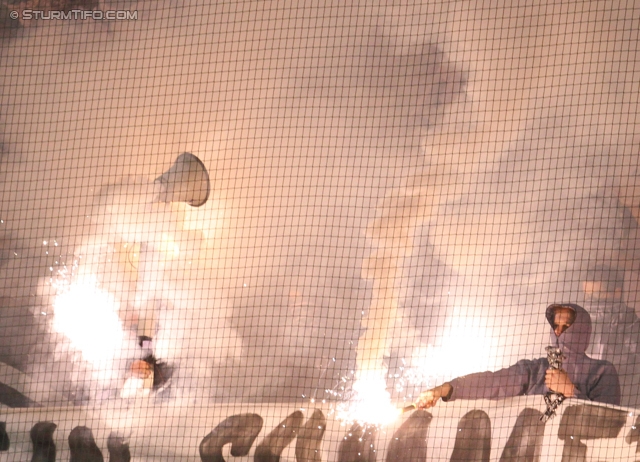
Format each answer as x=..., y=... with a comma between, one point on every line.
x=557, y=380
x=429, y=398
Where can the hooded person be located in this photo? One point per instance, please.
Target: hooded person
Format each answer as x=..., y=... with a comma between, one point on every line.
x=580, y=377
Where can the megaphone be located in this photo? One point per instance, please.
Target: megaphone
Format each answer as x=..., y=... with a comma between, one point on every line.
x=186, y=181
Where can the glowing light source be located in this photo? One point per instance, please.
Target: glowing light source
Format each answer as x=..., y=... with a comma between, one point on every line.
x=370, y=403
x=465, y=346
x=88, y=317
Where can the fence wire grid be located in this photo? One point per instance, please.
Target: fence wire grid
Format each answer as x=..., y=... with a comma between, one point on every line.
x=235, y=209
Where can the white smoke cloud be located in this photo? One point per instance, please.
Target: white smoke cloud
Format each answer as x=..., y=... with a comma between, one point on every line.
x=530, y=180
x=299, y=139
x=504, y=142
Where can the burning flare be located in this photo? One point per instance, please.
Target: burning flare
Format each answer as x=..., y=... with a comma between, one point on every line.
x=88, y=317
x=370, y=403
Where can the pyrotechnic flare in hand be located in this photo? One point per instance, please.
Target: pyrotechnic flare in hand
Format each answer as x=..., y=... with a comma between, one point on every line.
x=589, y=379
x=430, y=397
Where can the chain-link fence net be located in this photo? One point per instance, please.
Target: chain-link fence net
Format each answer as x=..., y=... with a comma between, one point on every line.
x=324, y=205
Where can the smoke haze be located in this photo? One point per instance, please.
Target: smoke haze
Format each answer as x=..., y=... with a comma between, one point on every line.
x=376, y=168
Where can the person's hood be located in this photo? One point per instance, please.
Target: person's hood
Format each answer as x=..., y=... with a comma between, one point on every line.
x=576, y=338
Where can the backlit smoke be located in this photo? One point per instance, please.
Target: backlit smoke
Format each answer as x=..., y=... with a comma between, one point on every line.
x=435, y=171
x=467, y=344
x=528, y=180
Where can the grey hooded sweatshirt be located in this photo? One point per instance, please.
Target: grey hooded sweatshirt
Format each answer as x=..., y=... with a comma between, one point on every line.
x=595, y=380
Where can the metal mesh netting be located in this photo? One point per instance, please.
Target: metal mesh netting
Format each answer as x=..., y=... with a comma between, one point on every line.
x=217, y=216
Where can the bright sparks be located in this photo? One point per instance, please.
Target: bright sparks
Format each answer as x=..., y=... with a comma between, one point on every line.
x=88, y=317
x=370, y=403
